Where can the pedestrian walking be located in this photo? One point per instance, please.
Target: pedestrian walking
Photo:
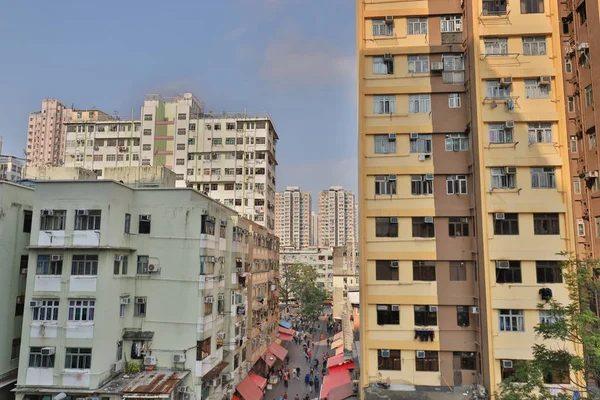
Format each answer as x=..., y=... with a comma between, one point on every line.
x=285, y=396
x=297, y=397
x=306, y=380
x=294, y=374
x=298, y=373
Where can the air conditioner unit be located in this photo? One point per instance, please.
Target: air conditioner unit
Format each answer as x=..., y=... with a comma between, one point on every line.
x=420, y=354
x=125, y=300
x=181, y=389
x=179, y=357
x=34, y=304
x=389, y=19
x=82, y=212
x=545, y=80
x=395, y=307
x=56, y=257
x=140, y=300
x=149, y=360
x=423, y=157
x=591, y=174
x=153, y=268
x=437, y=66
x=119, y=257
x=388, y=57
x=414, y=135
x=47, y=212
x=117, y=367
x=144, y=218
x=507, y=364
x=511, y=170
x=393, y=220
x=569, y=50
x=583, y=46
x=391, y=136
x=474, y=310
x=23, y=271
x=385, y=353
x=502, y=264
x=509, y=124
x=506, y=81
x=429, y=177
x=394, y=264
x=221, y=297
x=433, y=308
x=428, y=220
x=391, y=177
x=499, y=216
x=20, y=300
x=48, y=351
x=209, y=299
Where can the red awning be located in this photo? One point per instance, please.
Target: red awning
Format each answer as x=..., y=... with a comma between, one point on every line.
x=346, y=366
x=287, y=331
x=248, y=389
x=259, y=380
x=285, y=336
x=339, y=350
x=334, y=380
x=234, y=397
x=279, y=351
x=269, y=359
x=338, y=359
x=341, y=392
x=338, y=336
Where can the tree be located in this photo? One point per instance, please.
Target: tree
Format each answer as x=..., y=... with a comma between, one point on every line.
x=570, y=350
x=311, y=301
x=295, y=277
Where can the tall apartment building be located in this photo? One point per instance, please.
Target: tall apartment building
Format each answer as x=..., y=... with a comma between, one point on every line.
x=123, y=295
x=321, y=259
x=231, y=157
x=461, y=133
x=580, y=26
x=336, y=217
x=293, y=217
x=45, y=134
x=15, y=227
x=314, y=228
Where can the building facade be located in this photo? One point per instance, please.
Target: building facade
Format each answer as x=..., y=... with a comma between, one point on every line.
x=336, y=217
x=345, y=279
x=11, y=168
x=15, y=227
x=46, y=134
x=156, y=280
x=321, y=259
x=314, y=228
x=293, y=217
x=461, y=132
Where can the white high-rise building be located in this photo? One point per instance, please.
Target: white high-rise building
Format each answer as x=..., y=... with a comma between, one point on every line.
x=337, y=218
x=314, y=229
x=293, y=218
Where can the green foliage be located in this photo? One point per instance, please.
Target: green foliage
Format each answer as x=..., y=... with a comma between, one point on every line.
x=133, y=367
x=295, y=278
x=572, y=325
x=311, y=301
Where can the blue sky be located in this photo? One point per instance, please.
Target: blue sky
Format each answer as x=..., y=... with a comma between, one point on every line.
x=292, y=58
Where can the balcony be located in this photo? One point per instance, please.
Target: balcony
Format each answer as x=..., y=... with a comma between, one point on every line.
x=204, y=324
x=82, y=283
x=47, y=283
x=43, y=329
x=76, y=377
x=40, y=377
x=86, y=238
x=51, y=238
x=80, y=329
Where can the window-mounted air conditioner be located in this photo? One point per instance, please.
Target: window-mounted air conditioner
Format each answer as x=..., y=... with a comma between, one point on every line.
x=502, y=264
x=499, y=216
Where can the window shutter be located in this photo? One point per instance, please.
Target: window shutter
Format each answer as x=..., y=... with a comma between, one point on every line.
x=449, y=187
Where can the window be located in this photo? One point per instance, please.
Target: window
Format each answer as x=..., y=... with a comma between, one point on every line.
x=421, y=184
x=47, y=310
x=223, y=229
x=428, y=363
x=559, y=374
x=582, y=12
x=421, y=144
x=384, y=185
x=533, y=89
x=53, y=220
x=494, y=90
x=496, y=46
x=539, y=132
x=49, y=265
x=423, y=270
x=87, y=220
x=464, y=361
x=549, y=316
x=591, y=134
x=147, y=132
x=589, y=96
x=81, y=310
x=511, y=321
x=384, y=104
x=418, y=64
x=425, y=315
x=24, y=264
x=508, y=271
x=78, y=358
x=142, y=264
x=548, y=272
x=416, y=26
x=383, y=65
x=182, y=116
x=388, y=314
x=127, y=227
x=84, y=265
x=534, y=45
x=120, y=264
x=144, y=224
x=458, y=226
x=27, y=218
x=532, y=6
x=462, y=316
x=147, y=117
x=422, y=228
x=451, y=23
x=456, y=184
x=501, y=179
x=543, y=177
x=231, y=140
x=388, y=360
x=217, y=141
x=203, y=349
x=454, y=100
x=181, y=131
x=192, y=127
x=180, y=161
x=508, y=372
x=570, y=104
x=458, y=271
x=419, y=103
x=454, y=66
x=568, y=67
x=37, y=360
x=457, y=142
x=499, y=134
x=207, y=225
x=386, y=270
x=140, y=307
x=386, y=227
x=111, y=157
x=507, y=225
x=546, y=224
x=576, y=186
x=381, y=28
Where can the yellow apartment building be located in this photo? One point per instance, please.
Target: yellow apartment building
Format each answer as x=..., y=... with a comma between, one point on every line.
x=464, y=187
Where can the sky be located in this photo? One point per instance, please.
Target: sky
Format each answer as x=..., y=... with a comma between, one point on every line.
x=294, y=59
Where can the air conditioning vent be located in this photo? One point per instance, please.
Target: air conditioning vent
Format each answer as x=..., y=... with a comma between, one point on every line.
x=509, y=124
x=433, y=308
x=140, y=300
x=393, y=220
x=56, y=257
x=126, y=300
x=82, y=212
x=511, y=170
x=385, y=353
x=506, y=81
x=394, y=264
x=119, y=257
x=420, y=354
x=437, y=66
x=391, y=136
x=48, y=351
x=395, y=307
x=429, y=177
x=474, y=310
x=179, y=357
x=502, y=264
x=507, y=364
x=414, y=135
x=428, y=220
x=150, y=360
x=499, y=216
x=391, y=177
x=209, y=299
x=545, y=80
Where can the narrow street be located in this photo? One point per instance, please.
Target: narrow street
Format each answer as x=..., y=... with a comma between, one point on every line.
x=297, y=359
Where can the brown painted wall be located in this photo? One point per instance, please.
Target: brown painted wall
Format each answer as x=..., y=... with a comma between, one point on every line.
x=455, y=292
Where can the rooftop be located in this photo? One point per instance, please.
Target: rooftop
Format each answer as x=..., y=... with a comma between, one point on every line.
x=159, y=383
